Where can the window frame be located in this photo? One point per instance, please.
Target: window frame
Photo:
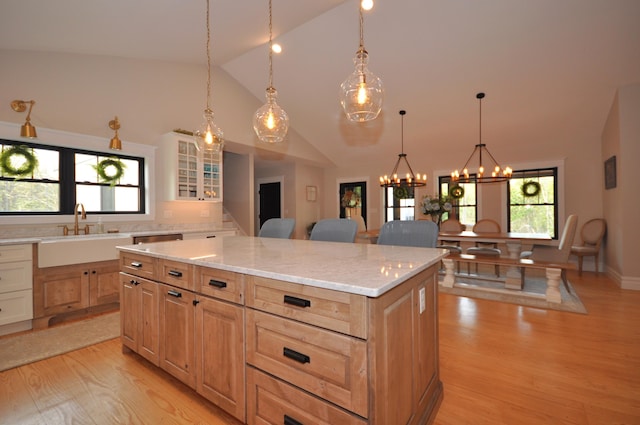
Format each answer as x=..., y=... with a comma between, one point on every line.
x=551, y=171
x=67, y=183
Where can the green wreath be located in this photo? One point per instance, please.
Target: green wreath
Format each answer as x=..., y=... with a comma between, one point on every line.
x=530, y=189
x=26, y=169
x=456, y=192
x=103, y=167
x=401, y=192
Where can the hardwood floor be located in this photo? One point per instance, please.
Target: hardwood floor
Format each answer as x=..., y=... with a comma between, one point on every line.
x=500, y=364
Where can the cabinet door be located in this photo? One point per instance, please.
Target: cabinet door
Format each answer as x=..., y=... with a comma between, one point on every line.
x=187, y=170
x=139, y=319
x=177, y=333
x=61, y=289
x=220, y=355
x=211, y=176
x=129, y=310
x=104, y=284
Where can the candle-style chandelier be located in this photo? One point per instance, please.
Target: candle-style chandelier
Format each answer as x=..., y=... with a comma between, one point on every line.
x=497, y=174
x=397, y=178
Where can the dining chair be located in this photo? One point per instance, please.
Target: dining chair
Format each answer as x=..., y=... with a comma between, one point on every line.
x=591, y=233
x=277, y=228
x=559, y=254
x=486, y=225
x=334, y=230
x=418, y=233
x=451, y=225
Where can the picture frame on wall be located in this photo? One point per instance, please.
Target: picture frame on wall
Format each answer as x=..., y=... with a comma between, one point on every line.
x=312, y=192
x=610, y=173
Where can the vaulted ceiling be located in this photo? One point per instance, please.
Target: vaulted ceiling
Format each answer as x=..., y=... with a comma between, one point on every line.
x=549, y=67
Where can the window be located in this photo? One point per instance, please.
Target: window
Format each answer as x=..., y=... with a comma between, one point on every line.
x=399, y=203
x=465, y=208
x=65, y=177
x=536, y=212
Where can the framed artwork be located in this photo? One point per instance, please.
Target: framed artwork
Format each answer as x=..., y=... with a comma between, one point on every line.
x=312, y=193
x=610, y=173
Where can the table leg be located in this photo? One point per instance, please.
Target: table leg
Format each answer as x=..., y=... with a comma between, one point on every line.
x=514, y=278
x=553, y=285
x=449, y=275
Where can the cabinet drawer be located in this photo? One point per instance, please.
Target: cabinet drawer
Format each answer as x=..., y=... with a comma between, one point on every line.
x=9, y=253
x=16, y=276
x=16, y=306
x=176, y=273
x=335, y=310
x=137, y=265
x=273, y=402
x=330, y=365
x=222, y=284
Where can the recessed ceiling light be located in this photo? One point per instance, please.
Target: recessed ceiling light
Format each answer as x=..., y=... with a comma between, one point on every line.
x=276, y=48
x=366, y=4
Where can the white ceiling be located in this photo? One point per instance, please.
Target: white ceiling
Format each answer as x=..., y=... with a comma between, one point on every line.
x=550, y=68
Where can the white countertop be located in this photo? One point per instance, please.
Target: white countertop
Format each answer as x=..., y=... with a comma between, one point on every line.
x=363, y=269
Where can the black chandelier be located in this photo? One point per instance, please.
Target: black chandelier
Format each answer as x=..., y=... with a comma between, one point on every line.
x=409, y=179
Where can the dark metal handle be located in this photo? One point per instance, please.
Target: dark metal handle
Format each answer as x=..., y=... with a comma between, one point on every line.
x=288, y=420
x=210, y=236
x=175, y=293
x=298, y=302
x=175, y=273
x=134, y=282
x=136, y=264
x=294, y=355
x=217, y=283
x=195, y=302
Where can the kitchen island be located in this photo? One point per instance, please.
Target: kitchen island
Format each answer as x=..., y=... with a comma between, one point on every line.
x=280, y=331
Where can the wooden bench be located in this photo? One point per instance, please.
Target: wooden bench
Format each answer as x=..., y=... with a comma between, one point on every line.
x=555, y=272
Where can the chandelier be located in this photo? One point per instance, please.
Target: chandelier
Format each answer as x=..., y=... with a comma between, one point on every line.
x=497, y=174
x=209, y=136
x=362, y=92
x=395, y=179
x=271, y=122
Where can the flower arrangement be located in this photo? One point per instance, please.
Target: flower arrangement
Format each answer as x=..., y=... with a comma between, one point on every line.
x=350, y=199
x=435, y=206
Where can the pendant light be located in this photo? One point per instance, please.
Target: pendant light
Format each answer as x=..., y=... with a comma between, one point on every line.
x=498, y=174
x=362, y=92
x=396, y=179
x=209, y=136
x=271, y=122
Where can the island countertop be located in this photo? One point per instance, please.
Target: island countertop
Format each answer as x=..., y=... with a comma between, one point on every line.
x=362, y=269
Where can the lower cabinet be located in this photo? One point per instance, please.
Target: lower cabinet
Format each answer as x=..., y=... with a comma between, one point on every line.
x=139, y=316
x=65, y=289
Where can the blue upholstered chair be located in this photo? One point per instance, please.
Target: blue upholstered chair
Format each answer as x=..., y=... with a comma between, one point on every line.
x=334, y=230
x=420, y=233
x=277, y=228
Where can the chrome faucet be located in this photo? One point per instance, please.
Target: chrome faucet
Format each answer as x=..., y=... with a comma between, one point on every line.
x=76, y=228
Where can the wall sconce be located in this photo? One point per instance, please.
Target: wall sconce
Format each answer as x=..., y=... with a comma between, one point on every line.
x=27, y=130
x=115, y=143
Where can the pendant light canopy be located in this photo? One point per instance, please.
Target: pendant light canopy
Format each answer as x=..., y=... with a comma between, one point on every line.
x=397, y=178
x=209, y=136
x=271, y=122
x=498, y=174
x=362, y=92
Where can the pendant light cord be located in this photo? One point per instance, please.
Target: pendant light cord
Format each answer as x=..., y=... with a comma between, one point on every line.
x=208, y=58
x=270, y=49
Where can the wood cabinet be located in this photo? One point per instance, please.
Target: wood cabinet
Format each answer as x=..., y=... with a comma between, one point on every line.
x=16, y=288
x=190, y=173
x=139, y=316
x=69, y=289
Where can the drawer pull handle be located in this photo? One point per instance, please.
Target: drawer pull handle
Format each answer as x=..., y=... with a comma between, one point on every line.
x=294, y=355
x=217, y=283
x=134, y=282
x=288, y=420
x=175, y=273
x=175, y=293
x=298, y=302
x=136, y=264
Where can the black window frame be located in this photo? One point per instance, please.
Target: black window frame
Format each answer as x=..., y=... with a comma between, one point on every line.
x=535, y=173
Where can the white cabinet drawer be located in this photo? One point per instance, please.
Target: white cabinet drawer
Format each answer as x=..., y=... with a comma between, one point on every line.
x=15, y=276
x=10, y=253
x=16, y=306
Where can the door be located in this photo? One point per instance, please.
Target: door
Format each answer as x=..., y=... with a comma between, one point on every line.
x=270, y=199
x=355, y=201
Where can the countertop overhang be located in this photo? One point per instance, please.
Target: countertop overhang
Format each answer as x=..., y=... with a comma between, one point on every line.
x=362, y=269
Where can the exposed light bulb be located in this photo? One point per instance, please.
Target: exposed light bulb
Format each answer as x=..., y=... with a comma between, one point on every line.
x=363, y=97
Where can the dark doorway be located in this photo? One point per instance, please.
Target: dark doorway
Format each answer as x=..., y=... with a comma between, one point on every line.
x=358, y=199
x=270, y=200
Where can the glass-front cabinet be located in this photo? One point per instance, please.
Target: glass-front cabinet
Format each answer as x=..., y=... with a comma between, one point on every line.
x=189, y=173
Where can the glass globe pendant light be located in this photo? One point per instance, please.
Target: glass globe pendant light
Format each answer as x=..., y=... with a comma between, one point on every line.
x=271, y=122
x=362, y=92
x=209, y=136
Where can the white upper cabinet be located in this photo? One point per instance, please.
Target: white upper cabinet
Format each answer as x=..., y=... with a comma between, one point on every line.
x=187, y=173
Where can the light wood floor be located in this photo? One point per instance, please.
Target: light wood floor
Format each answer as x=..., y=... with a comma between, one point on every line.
x=500, y=364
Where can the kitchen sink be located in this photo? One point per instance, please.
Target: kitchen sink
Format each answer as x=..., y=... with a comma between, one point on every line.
x=80, y=249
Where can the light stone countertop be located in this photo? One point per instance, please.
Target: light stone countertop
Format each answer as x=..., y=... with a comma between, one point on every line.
x=362, y=269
